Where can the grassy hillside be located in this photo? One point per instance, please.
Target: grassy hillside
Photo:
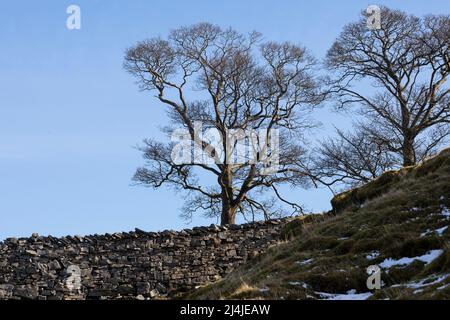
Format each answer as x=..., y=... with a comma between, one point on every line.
x=398, y=222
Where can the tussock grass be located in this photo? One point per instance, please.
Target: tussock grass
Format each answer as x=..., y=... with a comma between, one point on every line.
x=394, y=216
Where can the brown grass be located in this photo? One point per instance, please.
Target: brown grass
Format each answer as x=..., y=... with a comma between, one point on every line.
x=325, y=253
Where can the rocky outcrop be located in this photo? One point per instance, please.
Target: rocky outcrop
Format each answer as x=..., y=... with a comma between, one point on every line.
x=135, y=264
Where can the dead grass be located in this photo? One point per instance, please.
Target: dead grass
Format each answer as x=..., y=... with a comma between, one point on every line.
x=393, y=216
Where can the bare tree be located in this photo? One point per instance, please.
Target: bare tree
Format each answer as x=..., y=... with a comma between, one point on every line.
x=229, y=82
x=407, y=61
x=352, y=158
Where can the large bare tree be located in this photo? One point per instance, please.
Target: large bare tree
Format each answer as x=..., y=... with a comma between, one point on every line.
x=396, y=76
x=228, y=82
x=351, y=158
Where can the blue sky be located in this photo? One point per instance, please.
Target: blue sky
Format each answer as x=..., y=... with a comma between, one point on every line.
x=70, y=115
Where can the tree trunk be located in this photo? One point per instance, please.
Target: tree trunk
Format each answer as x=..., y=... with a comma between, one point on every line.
x=409, y=154
x=228, y=213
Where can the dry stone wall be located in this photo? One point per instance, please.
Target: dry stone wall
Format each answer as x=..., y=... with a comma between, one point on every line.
x=128, y=265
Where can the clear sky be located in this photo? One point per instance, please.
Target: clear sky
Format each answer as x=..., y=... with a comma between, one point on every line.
x=70, y=115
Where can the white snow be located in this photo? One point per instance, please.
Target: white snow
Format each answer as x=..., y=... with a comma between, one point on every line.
x=427, y=232
x=298, y=283
x=304, y=262
x=424, y=282
x=427, y=258
x=439, y=231
x=350, y=295
x=419, y=285
x=444, y=286
x=372, y=255
x=445, y=211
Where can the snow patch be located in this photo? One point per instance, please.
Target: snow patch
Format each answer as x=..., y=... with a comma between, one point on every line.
x=298, y=283
x=444, y=286
x=429, y=281
x=445, y=211
x=426, y=282
x=372, y=255
x=427, y=258
x=439, y=231
x=304, y=262
x=427, y=232
x=350, y=295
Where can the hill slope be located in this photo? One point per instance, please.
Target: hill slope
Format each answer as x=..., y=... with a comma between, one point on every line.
x=398, y=222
